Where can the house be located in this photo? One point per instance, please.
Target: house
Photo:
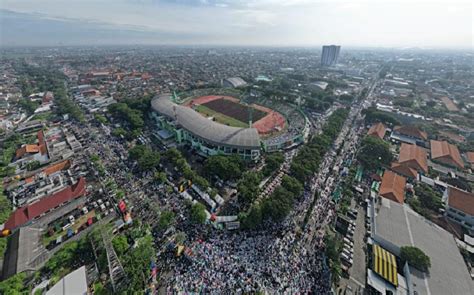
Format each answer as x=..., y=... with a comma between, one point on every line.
x=446, y=153
x=460, y=207
x=377, y=130
x=393, y=187
x=414, y=157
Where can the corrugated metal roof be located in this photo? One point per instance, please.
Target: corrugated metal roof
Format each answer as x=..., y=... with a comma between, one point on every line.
x=385, y=264
x=204, y=128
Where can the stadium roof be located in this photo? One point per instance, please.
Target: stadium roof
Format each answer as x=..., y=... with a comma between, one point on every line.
x=413, y=156
x=29, y=212
x=397, y=225
x=204, y=128
x=461, y=200
x=411, y=131
x=377, y=130
x=446, y=152
x=393, y=187
x=236, y=81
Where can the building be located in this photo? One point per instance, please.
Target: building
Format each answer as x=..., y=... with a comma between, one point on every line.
x=395, y=225
x=73, y=283
x=330, y=55
x=409, y=134
x=204, y=135
x=393, y=187
x=377, y=130
x=460, y=207
x=470, y=158
x=414, y=157
x=446, y=153
x=404, y=170
x=234, y=82
x=28, y=213
x=24, y=253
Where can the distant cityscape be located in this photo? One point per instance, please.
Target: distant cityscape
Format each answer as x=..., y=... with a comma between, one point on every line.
x=178, y=170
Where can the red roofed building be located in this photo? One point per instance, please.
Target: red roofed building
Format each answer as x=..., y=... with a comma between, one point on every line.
x=377, y=130
x=461, y=207
x=404, y=170
x=393, y=187
x=470, y=157
x=414, y=157
x=26, y=214
x=411, y=131
x=446, y=153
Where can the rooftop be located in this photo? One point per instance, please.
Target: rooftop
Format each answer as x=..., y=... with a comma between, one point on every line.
x=29, y=212
x=204, y=128
x=446, y=151
x=461, y=200
x=411, y=131
x=400, y=226
x=470, y=157
x=414, y=156
x=393, y=187
x=377, y=130
x=73, y=283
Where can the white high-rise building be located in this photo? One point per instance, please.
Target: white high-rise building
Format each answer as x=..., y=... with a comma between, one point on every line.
x=330, y=55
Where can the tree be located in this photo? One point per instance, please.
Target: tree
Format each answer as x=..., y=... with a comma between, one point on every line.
x=198, y=213
x=415, y=257
x=160, y=177
x=248, y=187
x=120, y=244
x=100, y=118
x=429, y=198
x=32, y=165
x=253, y=218
x=374, y=152
x=165, y=220
x=278, y=205
x=146, y=158
x=14, y=285
x=225, y=167
x=272, y=163
x=292, y=185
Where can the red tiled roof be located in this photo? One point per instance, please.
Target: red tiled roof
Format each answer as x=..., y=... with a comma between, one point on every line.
x=470, y=157
x=393, y=187
x=447, y=153
x=404, y=170
x=414, y=157
x=411, y=131
x=56, y=167
x=461, y=200
x=29, y=212
x=377, y=130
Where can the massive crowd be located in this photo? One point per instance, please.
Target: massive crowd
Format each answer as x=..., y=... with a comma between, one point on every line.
x=279, y=259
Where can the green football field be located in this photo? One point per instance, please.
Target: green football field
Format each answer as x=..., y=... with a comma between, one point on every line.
x=220, y=118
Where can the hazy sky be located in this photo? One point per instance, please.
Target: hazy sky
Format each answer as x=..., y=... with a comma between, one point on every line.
x=374, y=23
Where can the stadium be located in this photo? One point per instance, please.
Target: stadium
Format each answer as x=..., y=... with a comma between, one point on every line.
x=223, y=124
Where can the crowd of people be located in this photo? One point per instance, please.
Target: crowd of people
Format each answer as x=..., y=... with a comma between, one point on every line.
x=282, y=258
